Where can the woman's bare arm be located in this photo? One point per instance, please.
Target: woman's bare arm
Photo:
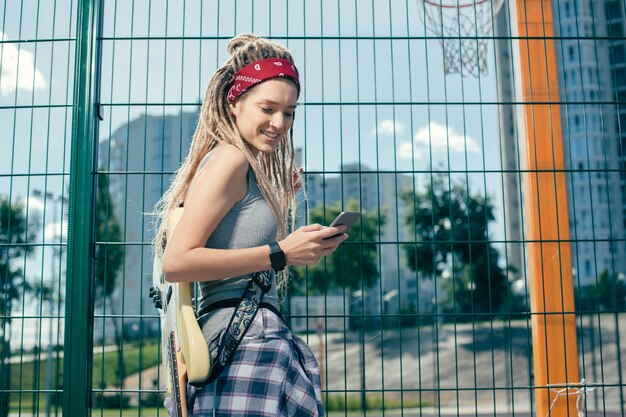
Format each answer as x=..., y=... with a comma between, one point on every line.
x=217, y=187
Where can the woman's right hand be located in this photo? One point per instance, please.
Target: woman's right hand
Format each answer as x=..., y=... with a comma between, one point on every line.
x=308, y=244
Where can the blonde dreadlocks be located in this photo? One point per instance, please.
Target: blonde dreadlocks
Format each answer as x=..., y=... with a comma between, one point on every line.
x=216, y=125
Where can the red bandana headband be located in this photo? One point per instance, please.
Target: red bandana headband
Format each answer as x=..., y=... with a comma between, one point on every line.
x=259, y=71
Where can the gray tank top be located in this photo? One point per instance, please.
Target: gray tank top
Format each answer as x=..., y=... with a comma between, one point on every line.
x=249, y=223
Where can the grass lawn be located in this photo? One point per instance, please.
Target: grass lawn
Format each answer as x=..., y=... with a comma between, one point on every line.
x=129, y=412
x=32, y=375
x=136, y=358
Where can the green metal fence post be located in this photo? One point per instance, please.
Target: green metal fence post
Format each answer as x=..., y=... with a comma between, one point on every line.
x=78, y=311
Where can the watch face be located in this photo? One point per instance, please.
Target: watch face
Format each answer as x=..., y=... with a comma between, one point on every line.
x=277, y=258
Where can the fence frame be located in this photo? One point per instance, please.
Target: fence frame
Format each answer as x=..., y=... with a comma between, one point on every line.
x=552, y=305
x=80, y=246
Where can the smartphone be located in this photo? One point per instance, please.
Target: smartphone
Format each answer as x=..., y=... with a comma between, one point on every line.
x=345, y=218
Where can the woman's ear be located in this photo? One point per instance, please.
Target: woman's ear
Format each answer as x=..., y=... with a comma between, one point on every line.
x=234, y=108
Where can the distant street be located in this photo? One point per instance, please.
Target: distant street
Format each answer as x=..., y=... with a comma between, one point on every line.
x=478, y=368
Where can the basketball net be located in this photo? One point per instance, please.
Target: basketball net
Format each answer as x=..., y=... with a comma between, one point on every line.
x=463, y=27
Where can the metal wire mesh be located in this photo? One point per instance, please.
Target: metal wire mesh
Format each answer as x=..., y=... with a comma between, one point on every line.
x=37, y=40
x=426, y=308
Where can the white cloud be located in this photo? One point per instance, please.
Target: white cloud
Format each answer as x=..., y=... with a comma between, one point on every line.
x=389, y=127
x=440, y=137
x=408, y=151
x=35, y=206
x=28, y=76
x=54, y=231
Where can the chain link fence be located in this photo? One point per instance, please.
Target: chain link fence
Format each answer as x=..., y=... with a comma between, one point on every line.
x=438, y=302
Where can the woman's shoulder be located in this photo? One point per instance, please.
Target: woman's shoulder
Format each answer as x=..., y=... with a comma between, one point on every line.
x=222, y=168
x=226, y=158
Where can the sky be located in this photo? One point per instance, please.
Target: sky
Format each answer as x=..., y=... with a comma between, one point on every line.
x=382, y=100
x=162, y=76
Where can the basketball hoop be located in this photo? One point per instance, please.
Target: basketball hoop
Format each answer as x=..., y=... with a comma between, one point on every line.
x=463, y=27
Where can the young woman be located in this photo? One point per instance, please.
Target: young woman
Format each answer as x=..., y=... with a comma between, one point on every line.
x=238, y=189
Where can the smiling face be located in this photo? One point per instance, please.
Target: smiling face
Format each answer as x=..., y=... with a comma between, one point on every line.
x=264, y=114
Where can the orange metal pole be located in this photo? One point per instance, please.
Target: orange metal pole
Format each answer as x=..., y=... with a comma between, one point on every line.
x=555, y=352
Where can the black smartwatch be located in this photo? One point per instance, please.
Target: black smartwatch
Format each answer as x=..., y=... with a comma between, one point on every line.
x=277, y=257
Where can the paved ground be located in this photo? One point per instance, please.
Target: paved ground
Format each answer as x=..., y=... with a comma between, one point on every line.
x=482, y=369
x=422, y=413
x=453, y=412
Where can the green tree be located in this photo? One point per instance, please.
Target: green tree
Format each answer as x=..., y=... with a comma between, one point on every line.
x=109, y=259
x=354, y=264
x=452, y=243
x=16, y=234
x=611, y=291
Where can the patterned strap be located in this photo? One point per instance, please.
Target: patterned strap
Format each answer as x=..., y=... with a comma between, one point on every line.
x=241, y=320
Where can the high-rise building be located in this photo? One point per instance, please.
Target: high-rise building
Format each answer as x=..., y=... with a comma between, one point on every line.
x=588, y=66
x=140, y=158
x=512, y=213
x=616, y=30
x=591, y=58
